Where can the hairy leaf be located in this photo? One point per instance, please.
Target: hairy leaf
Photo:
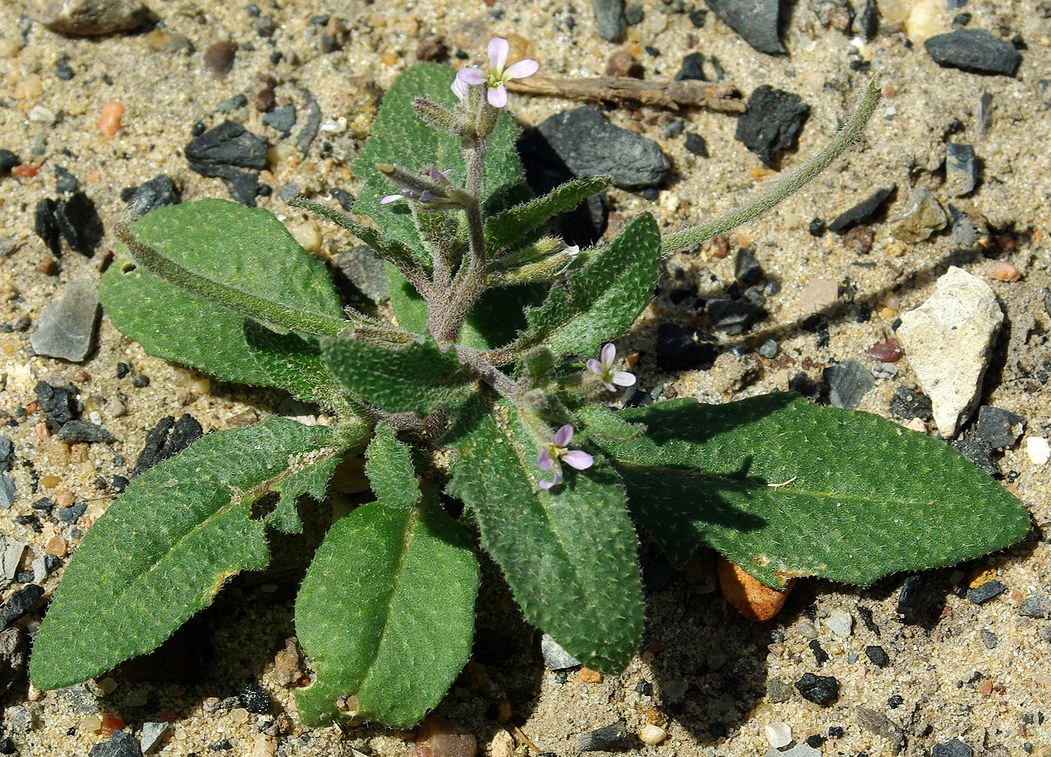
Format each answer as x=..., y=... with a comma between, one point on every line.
x=416, y=377
x=513, y=224
x=386, y=613
x=162, y=552
x=605, y=290
x=568, y=554
x=388, y=464
x=294, y=363
x=786, y=488
x=401, y=138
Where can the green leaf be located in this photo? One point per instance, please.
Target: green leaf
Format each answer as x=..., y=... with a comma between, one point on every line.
x=786, y=488
x=386, y=612
x=513, y=224
x=173, y=324
x=179, y=532
x=416, y=377
x=605, y=290
x=402, y=138
x=568, y=555
x=241, y=258
x=388, y=465
x=294, y=363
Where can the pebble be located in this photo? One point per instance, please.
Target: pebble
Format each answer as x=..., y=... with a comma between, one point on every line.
x=672, y=130
x=220, y=58
x=778, y=691
x=820, y=297
x=555, y=657
x=848, y=383
x=877, y=656
x=1005, y=272
x=863, y=211
x=998, y=428
x=746, y=268
x=952, y=748
x=9, y=160
x=1037, y=450
x=821, y=690
x=753, y=599
x=820, y=655
x=733, y=316
x=14, y=652
x=75, y=220
x=623, y=63
x=11, y=552
x=984, y=592
x=799, y=750
x=606, y=739
x=678, y=351
x=779, y=735
x=587, y=144
x=974, y=50
x=225, y=149
x=365, y=272
x=885, y=351
x=445, y=739
x=947, y=340
x=65, y=182
x=757, y=21
x=979, y=453
x=921, y=217
x=120, y=744
x=963, y=235
x=690, y=68
x=1034, y=606
x=169, y=437
x=66, y=327
x=772, y=124
x=90, y=18
x=281, y=119
x=57, y=402
x=909, y=404
x=155, y=193
x=652, y=734
x=610, y=22
x=961, y=169
x=769, y=349
x=83, y=431
x=989, y=639
x=840, y=622
x=110, y=116
x=696, y=144
x=880, y=725
x=151, y=734
x=7, y=491
x=7, y=453
x=20, y=603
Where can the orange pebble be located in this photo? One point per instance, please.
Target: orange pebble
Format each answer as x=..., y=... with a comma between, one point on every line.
x=25, y=171
x=747, y=595
x=113, y=722
x=388, y=59
x=56, y=546
x=1004, y=271
x=587, y=675
x=109, y=119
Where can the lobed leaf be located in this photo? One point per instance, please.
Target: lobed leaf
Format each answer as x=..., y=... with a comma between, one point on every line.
x=386, y=612
x=568, y=555
x=388, y=465
x=786, y=488
x=180, y=531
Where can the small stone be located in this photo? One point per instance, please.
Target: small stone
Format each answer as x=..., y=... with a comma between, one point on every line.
x=821, y=690
x=109, y=121
x=885, y=351
x=678, y=351
x=20, y=603
x=973, y=50
x=880, y=725
x=1037, y=449
x=120, y=744
x=65, y=182
x=7, y=491
x=757, y=21
x=254, y=698
x=1034, y=606
x=989, y=640
x=983, y=593
x=848, y=383
x=820, y=655
x=921, y=217
x=952, y=748
x=877, y=655
x=840, y=622
x=772, y=123
x=998, y=428
x=778, y=691
x=8, y=160
x=820, y=297
x=947, y=340
x=909, y=404
x=158, y=191
x=779, y=735
x=587, y=675
x=859, y=239
x=555, y=657
x=151, y=734
x=652, y=734
x=90, y=18
x=675, y=128
x=445, y=739
x=963, y=235
x=863, y=212
x=1005, y=272
x=746, y=268
x=58, y=402
x=754, y=600
x=169, y=437
x=225, y=149
x=733, y=316
x=606, y=739
x=769, y=349
x=11, y=552
x=696, y=144
x=610, y=23
x=623, y=63
x=281, y=119
x=220, y=57
x=690, y=68
x=961, y=169
x=14, y=653
x=83, y=431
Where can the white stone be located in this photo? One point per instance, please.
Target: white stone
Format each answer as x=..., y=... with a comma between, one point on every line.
x=151, y=734
x=1038, y=449
x=840, y=622
x=652, y=734
x=555, y=657
x=778, y=734
x=947, y=340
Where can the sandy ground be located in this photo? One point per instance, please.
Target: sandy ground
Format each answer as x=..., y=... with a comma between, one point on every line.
x=708, y=670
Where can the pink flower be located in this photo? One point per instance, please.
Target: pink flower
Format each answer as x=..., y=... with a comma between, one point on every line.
x=497, y=76
x=553, y=455
x=603, y=368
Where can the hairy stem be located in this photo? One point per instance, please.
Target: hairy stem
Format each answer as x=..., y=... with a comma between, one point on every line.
x=488, y=372
x=784, y=187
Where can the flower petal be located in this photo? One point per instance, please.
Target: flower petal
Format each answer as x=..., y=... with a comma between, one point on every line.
x=609, y=386
x=459, y=88
x=497, y=96
x=471, y=76
x=577, y=459
x=498, y=50
x=544, y=460
x=623, y=378
x=387, y=199
x=608, y=354
x=594, y=366
x=521, y=69
x=563, y=436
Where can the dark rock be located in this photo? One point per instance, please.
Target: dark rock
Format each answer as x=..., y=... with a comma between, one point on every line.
x=696, y=144
x=58, y=402
x=18, y=604
x=1034, y=606
x=866, y=22
x=769, y=349
x=697, y=17
x=878, y=656
x=678, y=351
x=818, y=689
x=45, y=224
x=7, y=454
x=220, y=57
x=952, y=748
x=989, y=639
x=778, y=691
x=733, y=316
x=879, y=724
x=757, y=21
x=79, y=223
x=910, y=403
x=7, y=491
x=281, y=119
x=120, y=744
x=848, y=382
x=746, y=268
x=364, y=272
x=158, y=191
x=225, y=149
x=91, y=18
x=817, y=228
x=8, y=160
x=14, y=653
x=863, y=211
x=311, y=121
x=998, y=428
x=244, y=187
x=675, y=128
x=982, y=594
x=610, y=22
x=72, y=513
x=230, y=104
x=772, y=124
x=803, y=385
x=820, y=655
x=141, y=381
x=581, y=142
x=975, y=51
x=65, y=182
x=691, y=68
x=82, y=431
x=605, y=739
x=66, y=327
x=254, y=698
x=963, y=235
x=979, y=453
x=633, y=14
x=961, y=169
x=169, y=437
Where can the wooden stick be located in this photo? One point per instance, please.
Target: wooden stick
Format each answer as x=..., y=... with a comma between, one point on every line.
x=718, y=96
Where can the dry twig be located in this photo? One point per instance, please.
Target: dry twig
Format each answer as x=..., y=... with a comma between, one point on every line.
x=721, y=97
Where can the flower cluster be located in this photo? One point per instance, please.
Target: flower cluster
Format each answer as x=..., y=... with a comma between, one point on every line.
x=554, y=454
x=496, y=76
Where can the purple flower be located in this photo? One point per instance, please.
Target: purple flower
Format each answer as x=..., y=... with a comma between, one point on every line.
x=603, y=368
x=426, y=195
x=554, y=454
x=497, y=76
